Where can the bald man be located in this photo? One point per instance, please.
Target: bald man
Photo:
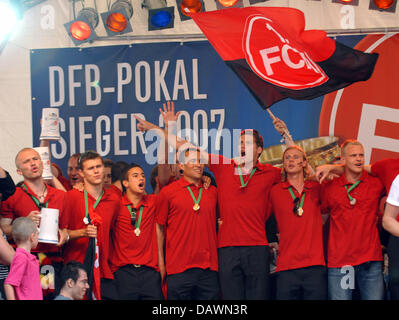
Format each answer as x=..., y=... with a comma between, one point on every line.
x=28, y=200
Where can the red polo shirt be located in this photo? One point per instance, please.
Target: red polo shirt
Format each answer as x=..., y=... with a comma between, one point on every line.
x=353, y=236
x=242, y=210
x=301, y=237
x=20, y=204
x=190, y=235
x=129, y=248
x=73, y=214
x=386, y=170
x=115, y=190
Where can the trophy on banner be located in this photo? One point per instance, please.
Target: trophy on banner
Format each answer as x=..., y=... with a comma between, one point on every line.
x=50, y=124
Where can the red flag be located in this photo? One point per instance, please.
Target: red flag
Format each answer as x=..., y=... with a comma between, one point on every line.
x=276, y=58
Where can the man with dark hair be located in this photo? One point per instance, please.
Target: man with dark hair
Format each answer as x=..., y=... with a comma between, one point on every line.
x=186, y=217
x=116, y=175
x=134, y=256
x=89, y=215
x=154, y=180
x=73, y=170
x=107, y=173
x=74, y=282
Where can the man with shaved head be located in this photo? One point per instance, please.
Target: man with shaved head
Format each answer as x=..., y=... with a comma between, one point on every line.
x=29, y=199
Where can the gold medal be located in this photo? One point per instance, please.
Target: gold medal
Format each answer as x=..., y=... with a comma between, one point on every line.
x=353, y=201
x=300, y=211
x=196, y=207
x=137, y=232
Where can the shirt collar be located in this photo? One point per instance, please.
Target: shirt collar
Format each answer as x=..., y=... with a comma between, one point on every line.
x=343, y=181
x=184, y=183
x=286, y=184
x=258, y=165
x=26, y=253
x=29, y=190
x=143, y=202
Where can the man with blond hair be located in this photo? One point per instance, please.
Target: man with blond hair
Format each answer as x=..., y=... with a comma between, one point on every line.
x=354, y=248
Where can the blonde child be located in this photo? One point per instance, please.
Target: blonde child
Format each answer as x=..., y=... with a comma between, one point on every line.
x=23, y=281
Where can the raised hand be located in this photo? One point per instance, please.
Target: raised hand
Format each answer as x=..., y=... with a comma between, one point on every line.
x=168, y=112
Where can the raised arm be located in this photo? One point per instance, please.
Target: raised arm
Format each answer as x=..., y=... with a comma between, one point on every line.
x=323, y=171
x=171, y=139
x=170, y=119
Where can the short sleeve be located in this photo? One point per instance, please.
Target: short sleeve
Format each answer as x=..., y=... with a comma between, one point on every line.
x=162, y=206
x=216, y=162
x=393, y=196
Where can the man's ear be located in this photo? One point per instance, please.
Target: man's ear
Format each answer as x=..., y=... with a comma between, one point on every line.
x=19, y=172
x=181, y=167
x=125, y=183
x=70, y=283
x=259, y=151
x=80, y=172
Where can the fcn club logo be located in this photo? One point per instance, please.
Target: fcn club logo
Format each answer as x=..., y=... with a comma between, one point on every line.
x=276, y=59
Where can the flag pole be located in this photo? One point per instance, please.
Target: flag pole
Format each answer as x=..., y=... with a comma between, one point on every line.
x=286, y=133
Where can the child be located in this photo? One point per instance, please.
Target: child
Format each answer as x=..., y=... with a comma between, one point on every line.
x=23, y=281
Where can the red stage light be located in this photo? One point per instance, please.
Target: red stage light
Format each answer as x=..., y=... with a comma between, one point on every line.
x=80, y=30
x=189, y=6
x=227, y=3
x=116, y=22
x=383, y=4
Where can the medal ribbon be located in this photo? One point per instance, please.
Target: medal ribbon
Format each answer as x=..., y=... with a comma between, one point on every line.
x=138, y=221
x=351, y=188
x=94, y=205
x=294, y=197
x=243, y=185
x=196, y=201
x=35, y=200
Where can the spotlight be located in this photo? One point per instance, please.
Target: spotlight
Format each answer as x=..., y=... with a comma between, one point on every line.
x=116, y=20
x=185, y=7
x=383, y=5
x=222, y=4
x=159, y=15
x=256, y=1
x=350, y=2
x=82, y=28
x=8, y=19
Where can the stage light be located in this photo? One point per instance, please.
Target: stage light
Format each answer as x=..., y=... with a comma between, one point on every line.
x=82, y=28
x=350, y=2
x=8, y=20
x=116, y=20
x=223, y=4
x=159, y=15
x=256, y=1
x=383, y=5
x=186, y=7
